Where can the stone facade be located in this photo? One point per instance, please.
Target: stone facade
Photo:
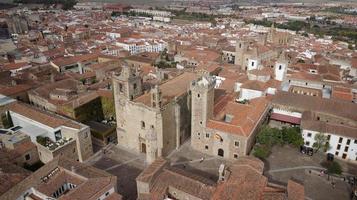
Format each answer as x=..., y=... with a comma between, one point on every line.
x=149, y=123
x=213, y=139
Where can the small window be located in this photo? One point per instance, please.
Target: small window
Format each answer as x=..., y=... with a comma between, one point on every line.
x=107, y=194
x=279, y=67
x=355, y=141
x=206, y=147
x=235, y=155
x=346, y=149
x=309, y=134
x=307, y=143
x=340, y=140
x=121, y=87
x=221, y=140
x=142, y=125
x=207, y=135
x=236, y=143
x=27, y=157
x=336, y=153
x=328, y=137
x=338, y=147
x=135, y=86
x=348, y=142
x=198, y=95
x=198, y=134
x=344, y=156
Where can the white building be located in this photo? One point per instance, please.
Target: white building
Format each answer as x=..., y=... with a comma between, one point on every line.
x=135, y=46
x=335, y=119
x=152, y=12
x=342, y=138
x=60, y=136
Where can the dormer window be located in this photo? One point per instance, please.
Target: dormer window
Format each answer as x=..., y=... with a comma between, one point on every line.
x=228, y=118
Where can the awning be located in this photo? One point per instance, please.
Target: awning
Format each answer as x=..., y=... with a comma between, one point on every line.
x=285, y=118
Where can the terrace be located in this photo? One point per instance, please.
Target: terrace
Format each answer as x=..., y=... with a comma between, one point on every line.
x=51, y=145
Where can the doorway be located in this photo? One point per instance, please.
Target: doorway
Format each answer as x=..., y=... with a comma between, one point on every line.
x=220, y=152
x=143, y=148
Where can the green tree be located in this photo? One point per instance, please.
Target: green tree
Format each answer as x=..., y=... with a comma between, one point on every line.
x=269, y=136
x=292, y=135
x=261, y=151
x=320, y=141
x=334, y=168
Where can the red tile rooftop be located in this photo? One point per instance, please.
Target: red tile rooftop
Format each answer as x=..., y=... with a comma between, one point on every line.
x=245, y=117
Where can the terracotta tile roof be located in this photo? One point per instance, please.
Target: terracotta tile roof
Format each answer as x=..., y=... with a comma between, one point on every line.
x=13, y=90
x=10, y=174
x=63, y=61
x=245, y=181
x=285, y=118
x=295, y=191
x=46, y=118
x=342, y=93
x=90, y=181
x=24, y=147
x=13, y=66
x=310, y=122
x=304, y=103
x=114, y=196
x=245, y=117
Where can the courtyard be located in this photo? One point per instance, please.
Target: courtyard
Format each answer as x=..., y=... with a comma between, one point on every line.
x=286, y=163
x=125, y=165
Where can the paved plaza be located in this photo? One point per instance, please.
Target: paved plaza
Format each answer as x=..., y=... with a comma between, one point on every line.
x=286, y=162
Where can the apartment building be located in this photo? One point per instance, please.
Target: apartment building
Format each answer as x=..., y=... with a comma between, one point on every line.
x=333, y=118
x=52, y=134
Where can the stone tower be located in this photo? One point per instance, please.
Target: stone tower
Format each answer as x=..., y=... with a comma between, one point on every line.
x=156, y=98
x=202, y=91
x=126, y=86
x=128, y=83
x=281, y=67
x=151, y=145
x=271, y=33
x=241, y=49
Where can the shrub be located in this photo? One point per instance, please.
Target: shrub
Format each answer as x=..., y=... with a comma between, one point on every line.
x=261, y=151
x=334, y=168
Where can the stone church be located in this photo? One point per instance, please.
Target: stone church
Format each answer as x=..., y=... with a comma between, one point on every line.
x=156, y=121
